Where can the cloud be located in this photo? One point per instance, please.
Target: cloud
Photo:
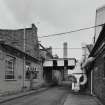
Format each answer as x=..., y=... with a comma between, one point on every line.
x=22, y=10
x=6, y=17
x=59, y=13
x=54, y=16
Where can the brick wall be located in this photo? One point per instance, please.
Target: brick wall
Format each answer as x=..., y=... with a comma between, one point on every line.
x=16, y=39
x=99, y=78
x=88, y=84
x=16, y=84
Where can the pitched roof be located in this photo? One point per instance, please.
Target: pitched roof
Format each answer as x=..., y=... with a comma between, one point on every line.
x=17, y=51
x=100, y=39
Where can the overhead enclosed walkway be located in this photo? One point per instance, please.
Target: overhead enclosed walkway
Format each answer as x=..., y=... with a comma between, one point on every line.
x=56, y=70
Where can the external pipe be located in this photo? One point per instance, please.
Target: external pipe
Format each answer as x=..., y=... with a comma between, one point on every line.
x=84, y=79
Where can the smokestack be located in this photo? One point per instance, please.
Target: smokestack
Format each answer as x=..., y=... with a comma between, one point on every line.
x=83, y=51
x=65, y=50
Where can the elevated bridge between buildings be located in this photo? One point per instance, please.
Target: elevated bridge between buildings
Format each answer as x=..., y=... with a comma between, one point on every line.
x=56, y=70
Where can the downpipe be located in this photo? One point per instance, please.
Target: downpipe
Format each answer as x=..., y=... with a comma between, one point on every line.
x=84, y=80
x=79, y=73
x=76, y=85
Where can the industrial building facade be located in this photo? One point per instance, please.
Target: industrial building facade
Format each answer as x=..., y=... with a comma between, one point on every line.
x=96, y=68
x=19, y=58
x=98, y=73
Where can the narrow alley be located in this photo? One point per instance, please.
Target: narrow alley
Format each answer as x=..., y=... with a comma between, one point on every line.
x=52, y=52
x=52, y=96
x=61, y=95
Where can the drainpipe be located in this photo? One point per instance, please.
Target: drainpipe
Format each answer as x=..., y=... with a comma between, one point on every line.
x=91, y=83
x=24, y=63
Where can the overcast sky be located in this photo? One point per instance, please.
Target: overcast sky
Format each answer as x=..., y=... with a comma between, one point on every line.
x=53, y=16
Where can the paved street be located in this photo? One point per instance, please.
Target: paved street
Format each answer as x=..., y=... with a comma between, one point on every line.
x=51, y=96
x=55, y=96
x=81, y=99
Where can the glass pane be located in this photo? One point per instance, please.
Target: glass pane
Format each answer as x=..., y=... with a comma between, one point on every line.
x=9, y=76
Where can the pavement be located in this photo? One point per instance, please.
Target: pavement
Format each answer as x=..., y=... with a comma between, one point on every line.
x=81, y=99
x=21, y=94
x=69, y=99
x=51, y=96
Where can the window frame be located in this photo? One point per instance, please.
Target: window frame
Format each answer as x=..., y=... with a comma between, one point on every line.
x=10, y=67
x=27, y=71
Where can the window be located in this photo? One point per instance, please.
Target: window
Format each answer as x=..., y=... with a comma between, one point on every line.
x=27, y=74
x=10, y=63
x=54, y=62
x=35, y=74
x=66, y=63
x=31, y=71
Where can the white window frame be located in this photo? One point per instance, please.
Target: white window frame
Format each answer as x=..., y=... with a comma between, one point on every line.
x=10, y=67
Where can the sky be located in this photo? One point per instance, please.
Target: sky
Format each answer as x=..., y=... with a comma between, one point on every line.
x=51, y=17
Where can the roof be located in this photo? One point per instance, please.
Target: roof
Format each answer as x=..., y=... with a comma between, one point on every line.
x=22, y=28
x=61, y=59
x=100, y=8
x=18, y=52
x=100, y=39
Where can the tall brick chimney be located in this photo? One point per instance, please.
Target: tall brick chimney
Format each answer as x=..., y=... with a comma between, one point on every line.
x=65, y=50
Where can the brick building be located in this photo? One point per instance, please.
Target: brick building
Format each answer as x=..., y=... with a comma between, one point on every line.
x=19, y=58
x=17, y=38
x=95, y=68
x=98, y=67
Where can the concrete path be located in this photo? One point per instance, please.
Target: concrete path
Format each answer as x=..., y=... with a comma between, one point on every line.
x=77, y=99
